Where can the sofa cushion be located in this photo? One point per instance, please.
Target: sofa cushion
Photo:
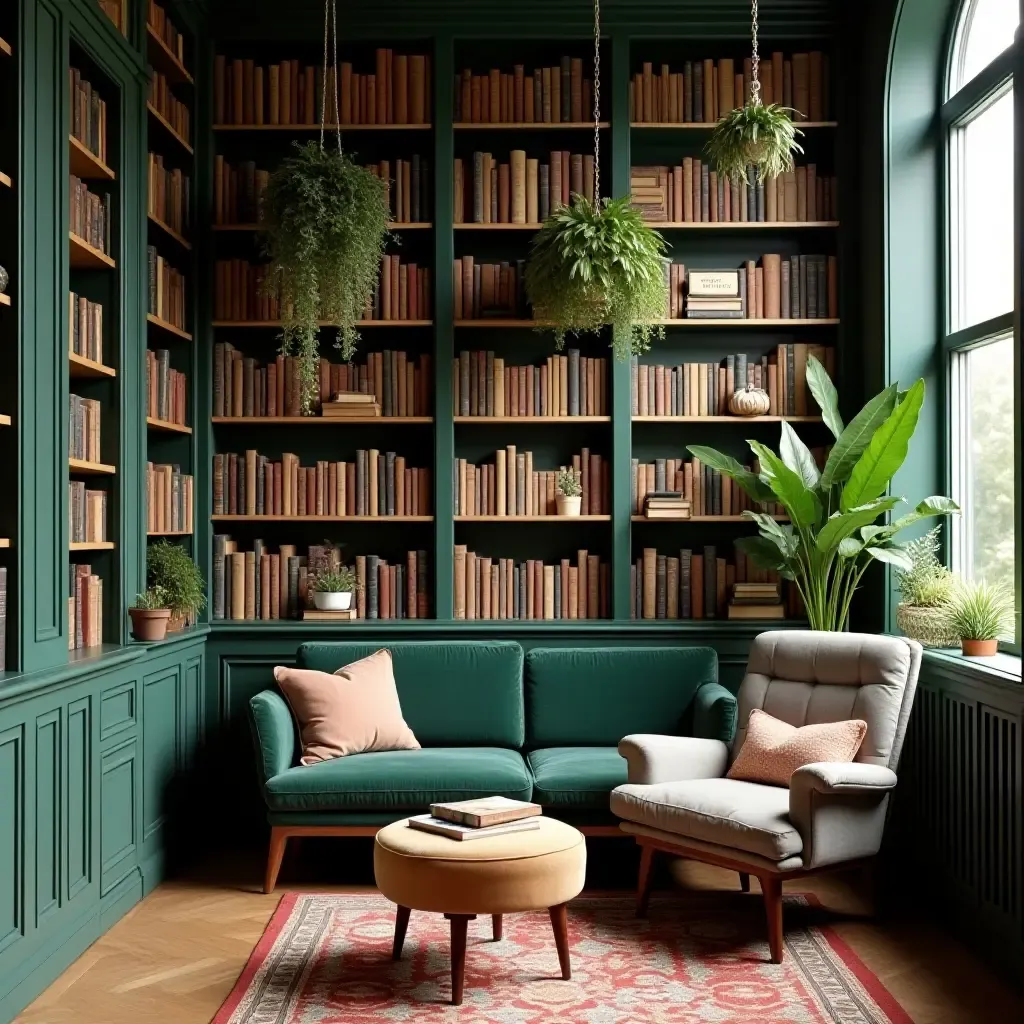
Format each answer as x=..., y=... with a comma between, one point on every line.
x=400, y=779
x=598, y=695
x=739, y=815
x=452, y=694
x=576, y=777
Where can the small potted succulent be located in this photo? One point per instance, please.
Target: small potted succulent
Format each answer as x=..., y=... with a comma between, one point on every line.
x=926, y=589
x=171, y=569
x=569, y=493
x=979, y=614
x=150, y=614
x=333, y=587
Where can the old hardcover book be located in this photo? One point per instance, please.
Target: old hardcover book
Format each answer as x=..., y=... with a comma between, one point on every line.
x=438, y=826
x=485, y=812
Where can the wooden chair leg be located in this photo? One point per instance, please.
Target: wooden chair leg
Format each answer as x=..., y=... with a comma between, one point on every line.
x=771, y=887
x=459, y=922
x=278, y=842
x=401, y=926
x=643, y=885
x=559, y=926
x=745, y=881
x=496, y=927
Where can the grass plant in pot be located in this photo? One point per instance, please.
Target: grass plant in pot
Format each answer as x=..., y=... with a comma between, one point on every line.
x=980, y=614
x=150, y=614
x=170, y=568
x=926, y=589
x=568, y=493
x=333, y=588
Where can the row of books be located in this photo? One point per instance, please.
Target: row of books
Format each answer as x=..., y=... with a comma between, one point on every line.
x=403, y=292
x=88, y=115
x=409, y=188
x=3, y=618
x=522, y=191
x=402, y=384
x=169, y=195
x=87, y=513
x=375, y=483
x=485, y=290
x=85, y=607
x=693, y=191
x=556, y=94
x=170, y=499
x=565, y=385
x=85, y=327
x=166, y=388
x=168, y=106
x=501, y=588
x=397, y=92
x=90, y=215
x=84, y=428
x=166, y=289
x=157, y=20
x=706, y=90
x=708, y=491
x=510, y=486
x=704, y=389
x=265, y=585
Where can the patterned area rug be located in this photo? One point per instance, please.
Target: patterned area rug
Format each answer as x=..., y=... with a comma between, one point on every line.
x=326, y=959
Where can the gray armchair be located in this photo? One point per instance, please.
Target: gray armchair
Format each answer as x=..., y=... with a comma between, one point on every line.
x=678, y=800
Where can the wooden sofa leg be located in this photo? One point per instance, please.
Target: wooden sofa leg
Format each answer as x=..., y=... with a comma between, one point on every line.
x=278, y=842
x=745, y=881
x=771, y=887
x=643, y=885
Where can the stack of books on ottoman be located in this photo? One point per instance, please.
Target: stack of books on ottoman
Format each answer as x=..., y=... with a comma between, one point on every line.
x=477, y=819
x=756, y=601
x=666, y=505
x=350, y=403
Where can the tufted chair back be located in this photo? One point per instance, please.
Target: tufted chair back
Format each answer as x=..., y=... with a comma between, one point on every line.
x=807, y=677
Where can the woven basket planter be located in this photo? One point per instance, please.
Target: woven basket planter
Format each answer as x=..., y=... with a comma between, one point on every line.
x=929, y=625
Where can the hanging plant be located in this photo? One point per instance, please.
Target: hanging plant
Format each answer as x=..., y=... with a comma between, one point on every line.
x=596, y=262
x=755, y=136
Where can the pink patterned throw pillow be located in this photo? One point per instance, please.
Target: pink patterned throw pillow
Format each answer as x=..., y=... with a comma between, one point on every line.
x=772, y=749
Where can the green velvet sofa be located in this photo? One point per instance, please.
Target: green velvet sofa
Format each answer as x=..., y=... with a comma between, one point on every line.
x=491, y=720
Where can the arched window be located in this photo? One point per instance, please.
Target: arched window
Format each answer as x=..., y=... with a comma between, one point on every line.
x=982, y=289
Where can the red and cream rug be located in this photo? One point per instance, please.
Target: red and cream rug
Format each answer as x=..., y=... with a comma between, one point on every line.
x=326, y=959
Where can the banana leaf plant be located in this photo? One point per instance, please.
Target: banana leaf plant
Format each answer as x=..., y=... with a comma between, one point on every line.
x=834, y=531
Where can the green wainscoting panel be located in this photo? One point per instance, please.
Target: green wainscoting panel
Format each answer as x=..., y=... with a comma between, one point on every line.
x=119, y=834
x=12, y=835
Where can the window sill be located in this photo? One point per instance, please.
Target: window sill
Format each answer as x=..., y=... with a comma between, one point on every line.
x=1002, y=667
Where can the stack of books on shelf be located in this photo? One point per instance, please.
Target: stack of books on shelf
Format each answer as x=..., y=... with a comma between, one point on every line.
x=350, y=403
x=88, y=115
x=90, y=215
x=166, y=291
x=409, y=188
x=756, y=601
x=157, y=20
x=501, y=588
x=264, y=585
x=84, y=435
x=87, y=513
x=166, y=389
x=85, y=328
x=374, y=484
x=557, y=94
x=169, y=499
x=522, y=191
x=712, y=294
x=666, y=505
x=287, y=93
x=85, y=608
x=485, y=290
x=510, y=486
x=168, y=106
x=478, y=819
x=566, y=385
x=169, y=195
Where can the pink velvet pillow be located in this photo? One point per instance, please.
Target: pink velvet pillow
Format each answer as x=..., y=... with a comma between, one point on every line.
x=354, y=711
x=772, y=750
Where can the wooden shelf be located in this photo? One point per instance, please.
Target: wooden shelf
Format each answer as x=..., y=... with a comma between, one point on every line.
x=85, y=257
x=83, y=162
x=741, y=225
x=5, y=300
x=309, y=421
x=5, y=542
x=163, y=325
x=5, y=180
x=727, y=419
x=168, y=533
x=473, y=226
x=5, y=420
x=324, y=323
x=85, y=468
x=504, y=322
x=83, y=367
x=321, y=519
x=165, y=60
x=170, y=232
x=91, y=545
x=5, y=47
x=533, y=419
x=704, y=519
x=168, y=129
x=327, y=127
x=749, y=322
x=165, y=425
x=567, y=520
x=394, y=225
x=708, y=125
x=506, y=126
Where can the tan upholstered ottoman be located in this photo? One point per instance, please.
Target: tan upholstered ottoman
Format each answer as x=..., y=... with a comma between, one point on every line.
x=539, y=869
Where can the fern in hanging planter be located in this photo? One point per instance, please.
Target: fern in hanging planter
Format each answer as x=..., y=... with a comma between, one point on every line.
x=754, y=136
x=597, y=264
x=326, y=223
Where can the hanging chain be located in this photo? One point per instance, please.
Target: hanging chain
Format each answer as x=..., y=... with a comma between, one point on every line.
x=597, y=102
x=323, y=83
x=755, y=60
x=333, y=27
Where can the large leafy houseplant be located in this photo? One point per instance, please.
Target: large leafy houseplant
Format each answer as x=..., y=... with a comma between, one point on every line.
x=173, y=574
x=833, y=533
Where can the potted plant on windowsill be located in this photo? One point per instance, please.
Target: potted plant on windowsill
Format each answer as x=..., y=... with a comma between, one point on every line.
x=332, y=588
x=569, y=493
x=927, y=589
x=170, y=567
x=981, y=613
x=150, y=615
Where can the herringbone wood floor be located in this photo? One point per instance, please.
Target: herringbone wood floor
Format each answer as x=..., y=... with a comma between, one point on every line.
x=175, y=957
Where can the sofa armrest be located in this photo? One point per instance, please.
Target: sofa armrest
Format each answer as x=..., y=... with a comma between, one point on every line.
x=651, y=759
x=839, y=810
x=273, y=733
x=714, y=713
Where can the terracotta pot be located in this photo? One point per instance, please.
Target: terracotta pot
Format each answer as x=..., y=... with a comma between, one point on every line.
x=149, y=624
x=332, y=601
x=568, y=506
x=979, y=648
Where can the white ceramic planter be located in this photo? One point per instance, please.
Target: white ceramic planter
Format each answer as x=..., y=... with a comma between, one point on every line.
x=568, y=506
x=332, y=602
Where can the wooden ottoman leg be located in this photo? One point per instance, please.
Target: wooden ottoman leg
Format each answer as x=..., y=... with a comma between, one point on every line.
x=401, y=925
x=558, y=925
x=496, y=927
x=460, y=922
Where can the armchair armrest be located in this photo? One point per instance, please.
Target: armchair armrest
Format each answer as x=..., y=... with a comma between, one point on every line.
x=714, y=712
x=839, y=810
x=273, y=733
x=651, y=759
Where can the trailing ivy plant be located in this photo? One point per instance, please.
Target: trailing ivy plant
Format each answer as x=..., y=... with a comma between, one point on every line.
x=326, y=224
x=754, y=138
x=597, y=264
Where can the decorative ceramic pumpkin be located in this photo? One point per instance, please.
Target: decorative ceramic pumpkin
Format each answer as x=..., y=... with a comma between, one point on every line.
x=750, y=401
